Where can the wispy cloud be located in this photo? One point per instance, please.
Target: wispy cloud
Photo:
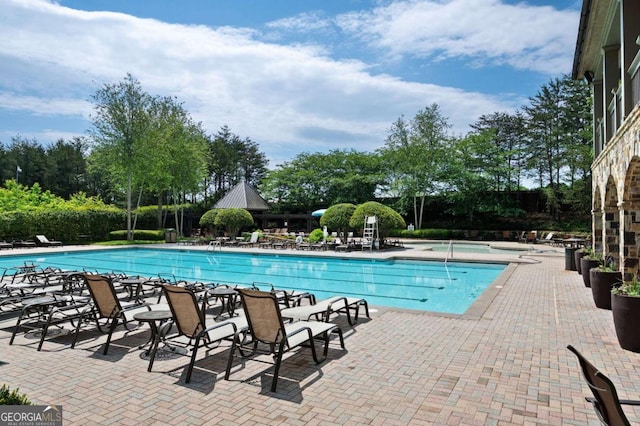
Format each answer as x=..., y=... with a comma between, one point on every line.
x=538, y=38
x=286, y=98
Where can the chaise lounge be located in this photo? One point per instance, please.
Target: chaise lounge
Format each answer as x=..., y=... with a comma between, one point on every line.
x=266, y=326
x=323, y=309
x=43, y=241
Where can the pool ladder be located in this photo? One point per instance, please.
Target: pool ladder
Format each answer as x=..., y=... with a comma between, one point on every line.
x=449, y=251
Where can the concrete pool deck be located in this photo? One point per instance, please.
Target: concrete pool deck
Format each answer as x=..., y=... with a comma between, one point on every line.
x=507, y=365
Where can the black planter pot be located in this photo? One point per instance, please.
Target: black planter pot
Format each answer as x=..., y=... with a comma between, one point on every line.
x=626, y=317
x=579, y=254
x=586, y=265
x=601, y=284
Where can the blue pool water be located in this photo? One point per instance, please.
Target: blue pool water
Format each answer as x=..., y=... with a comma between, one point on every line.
x=409, y=284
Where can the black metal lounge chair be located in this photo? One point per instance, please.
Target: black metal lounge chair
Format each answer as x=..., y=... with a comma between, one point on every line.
x=323, y=309
x=43, y=241
x=53, y=306
x=106, y=305
x=190, y=322
x=266, y=326
x=605, y=398
x=5, y=245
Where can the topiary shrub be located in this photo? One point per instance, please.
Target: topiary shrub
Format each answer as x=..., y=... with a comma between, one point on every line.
x=387, y=217
x=12, y=397
x=316, y=236
x=233, y=220
x=208, y=220
x=337, y=217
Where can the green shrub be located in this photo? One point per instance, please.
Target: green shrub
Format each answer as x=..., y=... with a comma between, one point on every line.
x=12, y=397
x=233, y=220
x=429, y=234
x=138, y=234
x=316, y=236
x=337, y=217
x=387, y=217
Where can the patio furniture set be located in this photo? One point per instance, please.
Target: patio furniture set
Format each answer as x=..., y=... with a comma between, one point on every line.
x=254, y=321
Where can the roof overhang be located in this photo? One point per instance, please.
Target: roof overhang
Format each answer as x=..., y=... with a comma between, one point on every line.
x=591, y=38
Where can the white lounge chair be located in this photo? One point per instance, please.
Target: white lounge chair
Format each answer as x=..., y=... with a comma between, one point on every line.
x=323, y=309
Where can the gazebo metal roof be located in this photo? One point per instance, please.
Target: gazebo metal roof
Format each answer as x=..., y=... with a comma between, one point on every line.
x=242, y=196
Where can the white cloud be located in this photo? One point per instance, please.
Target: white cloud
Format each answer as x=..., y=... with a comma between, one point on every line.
x=45, y=106
x=538, y=38
x=303, y=23
x=288, y=99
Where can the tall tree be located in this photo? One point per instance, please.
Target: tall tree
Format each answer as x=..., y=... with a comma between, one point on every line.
x=231, y=160
x=26, y=161
x=67, y=165
x=505, y=155
x=313, y=180
x=181, y=152
x=121, y=126
x=417, y=156
x=558, y=134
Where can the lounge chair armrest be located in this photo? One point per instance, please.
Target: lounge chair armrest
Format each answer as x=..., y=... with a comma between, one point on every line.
x=215, y=332
x=592, y=400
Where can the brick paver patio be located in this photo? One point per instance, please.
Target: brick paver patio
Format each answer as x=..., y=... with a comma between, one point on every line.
x=506, y=364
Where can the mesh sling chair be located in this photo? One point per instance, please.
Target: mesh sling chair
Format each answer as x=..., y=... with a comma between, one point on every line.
x=605, y=399
x=323, y=309
x=190, y=322
x=106, y=305
x=266, y=326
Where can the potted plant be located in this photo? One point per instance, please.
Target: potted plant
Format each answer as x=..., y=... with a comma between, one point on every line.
x=591, y=260
x=625, y=305
x=578, y=255
x=602, y=279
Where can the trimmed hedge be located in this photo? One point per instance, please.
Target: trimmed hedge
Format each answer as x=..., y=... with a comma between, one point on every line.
x=65, y=226
x=139, y=234
x=430, y=234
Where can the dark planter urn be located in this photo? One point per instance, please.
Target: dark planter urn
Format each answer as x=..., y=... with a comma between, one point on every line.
x=586, y=264
x=626, y=317
x=601, y=284
x=578, y=255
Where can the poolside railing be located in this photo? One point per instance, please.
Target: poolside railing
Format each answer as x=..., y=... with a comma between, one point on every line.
x=449, y=251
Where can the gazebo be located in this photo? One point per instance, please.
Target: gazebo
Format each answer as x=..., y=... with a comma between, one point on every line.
x=243, y=196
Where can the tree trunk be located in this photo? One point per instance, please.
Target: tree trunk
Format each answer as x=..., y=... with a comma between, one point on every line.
x=129, y=232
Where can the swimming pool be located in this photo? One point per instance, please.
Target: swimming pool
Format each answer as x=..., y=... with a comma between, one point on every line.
x=474, y=248
x=409, y=284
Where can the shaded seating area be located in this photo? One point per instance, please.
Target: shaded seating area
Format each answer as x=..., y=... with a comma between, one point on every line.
x=268, y=330
x=605, y=401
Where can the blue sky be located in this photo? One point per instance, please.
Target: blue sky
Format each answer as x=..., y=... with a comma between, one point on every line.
x=292, y=75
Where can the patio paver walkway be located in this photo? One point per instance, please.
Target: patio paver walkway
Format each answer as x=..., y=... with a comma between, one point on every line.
x=510, y=366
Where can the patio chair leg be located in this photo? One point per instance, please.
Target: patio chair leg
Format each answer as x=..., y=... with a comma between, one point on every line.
x=230, y=360
x=45, y=329
x=276, y=370
x=193, y=360
x=112, y=327
x=15, y=330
